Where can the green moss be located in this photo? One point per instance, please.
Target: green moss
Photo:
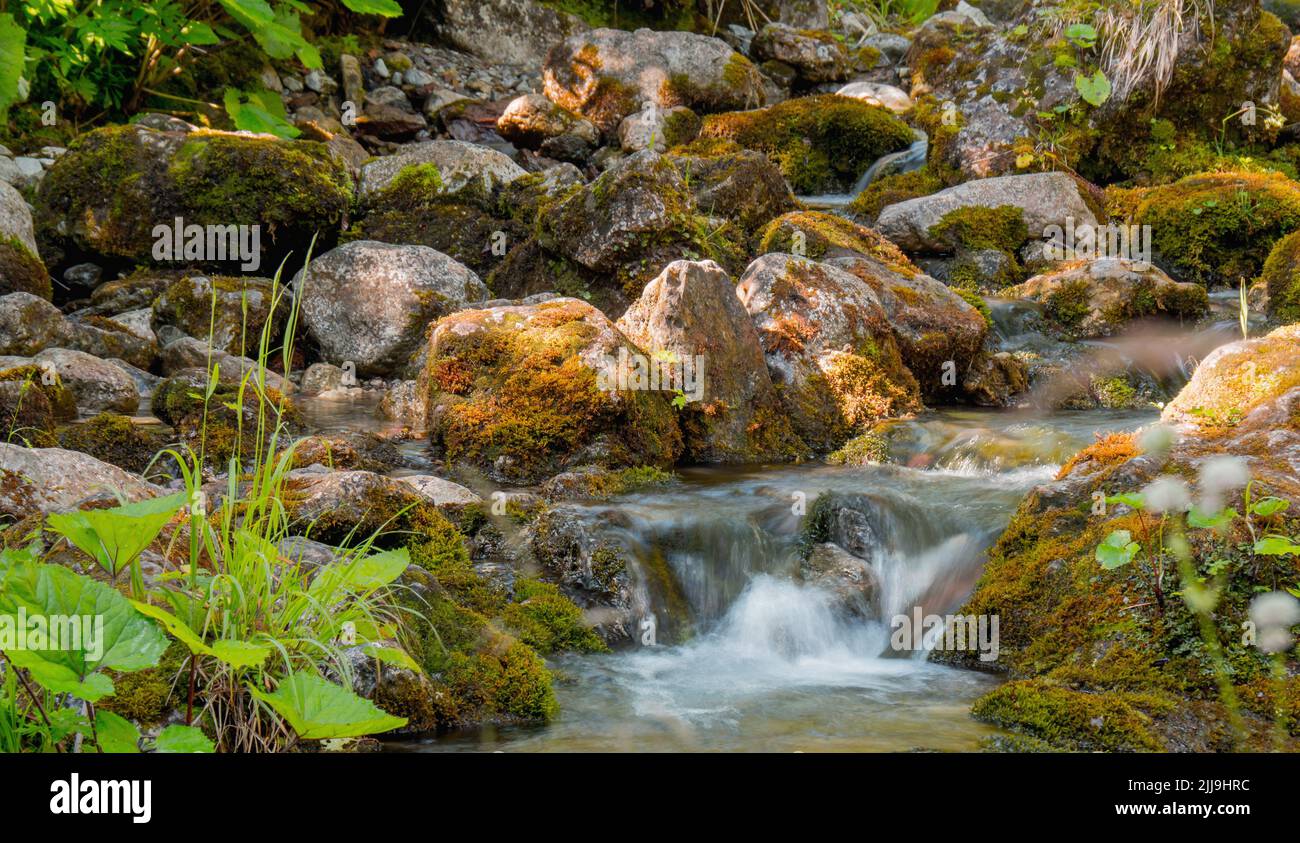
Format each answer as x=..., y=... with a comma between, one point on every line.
x=976, y=227
x=530, y=404
x=893, y=189
x=116, y=183
x=867, y=449
x=1281, y=276
x=1219, y=227
x=1072, y=719
x=230, y=312
x=21, y=271
x=548, y=621
x=148, y=696
x=821, y=143
x=114, y=439
x=812, y=234
x=1115, y=392
x=976, y=301
x=1070, y=304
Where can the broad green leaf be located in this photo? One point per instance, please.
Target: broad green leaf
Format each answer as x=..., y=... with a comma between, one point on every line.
x=199, y=33
x=1094, y=89
x=239, y=654
x=13, y=41
x=1211, y=520
x=1082, y=35
x=116, y=733
x=1269, y=506
x=1117, y=550
x=1133, y=500
x=175, y=626
x=393, y=656
x=1276, y=546
x=387, y=8
x=259, y=111
x=363, y=575
x=116, y=637
x=115, y=537
x=183, y=739
x=317, y=709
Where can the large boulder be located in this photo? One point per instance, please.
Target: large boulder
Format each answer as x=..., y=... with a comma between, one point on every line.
x=369, y=303
x=1044, y=199
x=504, y=31
x=829, y=348
x=525, y=391
x=21, y=269
x=1098, y=298
x=29, y=324
x=743, y=186
x=460, y=167
x=43, y=480
x=937, y=330
x=607, y=74
x=116, y=184
x=97, y=385
x=690, y=315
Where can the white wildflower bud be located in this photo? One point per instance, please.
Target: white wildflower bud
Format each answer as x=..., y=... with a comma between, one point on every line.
x=1156, y=439
x=1167, y=494
x=1273, y=615
x=1219, y=476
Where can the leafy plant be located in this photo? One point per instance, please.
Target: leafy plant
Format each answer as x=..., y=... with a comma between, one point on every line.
x=1094, y=89
x=259, y=111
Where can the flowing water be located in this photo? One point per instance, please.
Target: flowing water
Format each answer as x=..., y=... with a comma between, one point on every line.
x=747, y=658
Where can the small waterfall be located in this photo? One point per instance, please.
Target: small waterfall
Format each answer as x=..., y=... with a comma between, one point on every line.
x=903, y=161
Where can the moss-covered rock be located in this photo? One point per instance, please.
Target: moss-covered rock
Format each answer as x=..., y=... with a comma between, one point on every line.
x=818, y=235
x=229, y=312
x=605, y=240
x=114, y=439
x=1107, y=658
x=938, y=331
x=739, y=185
x=226, y=423
x=607, y=74
x=21, y=269
x=822, y=143
x=115, y=184
x=416, y=208
x=1219, y=227
x=829, y=348
x=689, y=317
x=521, y=392
x=1281, y=277
x=1098, y=298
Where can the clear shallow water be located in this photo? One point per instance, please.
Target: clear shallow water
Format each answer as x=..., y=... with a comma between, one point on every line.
x=748, y=658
